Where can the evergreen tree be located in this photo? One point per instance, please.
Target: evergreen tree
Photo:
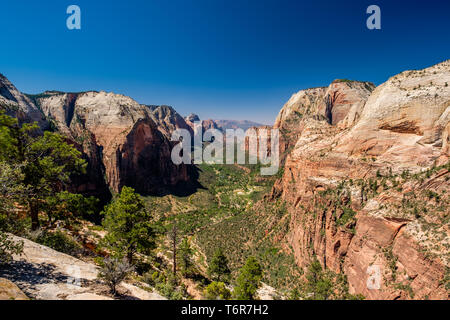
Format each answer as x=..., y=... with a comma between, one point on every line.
x=185, y=257
x=218, y=267
x=46, y=161
x=173, y=235
x=326, y=285
x=319, y=285
x=248, y=280
x=11, y=191
x=128, y=224
x=68, y=207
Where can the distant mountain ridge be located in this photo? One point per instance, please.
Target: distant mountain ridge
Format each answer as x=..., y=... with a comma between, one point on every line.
x=222, y=125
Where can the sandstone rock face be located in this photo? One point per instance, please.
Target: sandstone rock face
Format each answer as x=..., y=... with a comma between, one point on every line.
x=45, y=274
x=339, y=104
x=120, y=138
x=344, y=101
x=9, y=291
x=168, y=120
x=405, y=119
x=19, y=105
x=125, y=143
x=252, y=141
x=363, y=177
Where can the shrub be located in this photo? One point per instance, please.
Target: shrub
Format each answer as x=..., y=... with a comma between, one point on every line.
x=59, y=241
x=114, y=271
x=8, y=247
x=168, y=287
x=217, y=291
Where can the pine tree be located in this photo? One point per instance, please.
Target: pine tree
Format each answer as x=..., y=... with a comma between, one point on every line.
x=128, y=224
x=218, y=267
x=46, y=161
x=173, y=235
x=248, y=280
x=319, y=285
x=185, y=257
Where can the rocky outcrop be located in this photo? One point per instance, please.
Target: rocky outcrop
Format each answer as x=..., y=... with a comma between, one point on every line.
x=120, y=139
x=359, y=177
x=45, y=274
x=405, y=119
x=206, y=124
x=19, y=105
x=340, y=104
x=168, y=120
x=9, y=291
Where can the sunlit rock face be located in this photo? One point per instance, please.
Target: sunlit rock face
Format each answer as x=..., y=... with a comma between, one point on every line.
x=126, y=143
x=19, y=105
x=340, y=105
x=354, y=132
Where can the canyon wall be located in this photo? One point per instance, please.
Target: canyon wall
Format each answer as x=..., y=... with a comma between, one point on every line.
x=124, y=143
x=366, y=179
x=19, y=105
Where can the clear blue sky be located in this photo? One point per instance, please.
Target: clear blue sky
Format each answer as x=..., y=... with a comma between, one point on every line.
x=223, y=59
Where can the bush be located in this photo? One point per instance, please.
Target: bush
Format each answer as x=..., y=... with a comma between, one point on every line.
x=8, y=247
x=151, y=278
x=217, y=291
x=114, y=271
x=59, y=241
x=169, y=289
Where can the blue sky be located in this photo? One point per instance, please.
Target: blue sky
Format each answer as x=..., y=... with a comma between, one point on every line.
x=234, y=59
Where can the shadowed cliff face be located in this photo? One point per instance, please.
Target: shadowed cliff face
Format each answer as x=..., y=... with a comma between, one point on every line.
x=125, y=143
x=366, y=181
x=144, y=161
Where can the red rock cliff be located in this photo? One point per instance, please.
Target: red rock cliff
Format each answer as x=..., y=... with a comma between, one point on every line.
x=367, y=184
x=121, y=139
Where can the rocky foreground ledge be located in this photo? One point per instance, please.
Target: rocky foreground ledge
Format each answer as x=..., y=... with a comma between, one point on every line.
x=45, y=274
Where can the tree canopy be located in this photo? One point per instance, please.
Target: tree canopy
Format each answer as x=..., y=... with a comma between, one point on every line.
x=128, y=224
x=45, y=160
x=248, y=280
x=218, y=267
